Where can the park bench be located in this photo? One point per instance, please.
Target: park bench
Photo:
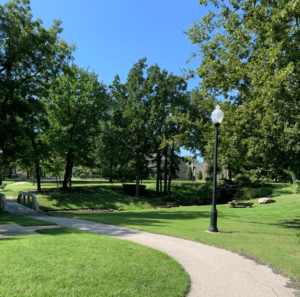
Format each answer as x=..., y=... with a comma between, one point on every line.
x=235, y=203
x=29, y=200
x=2, y=186
x=3, y=206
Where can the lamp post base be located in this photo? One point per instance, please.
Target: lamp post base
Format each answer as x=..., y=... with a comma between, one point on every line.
x=213, y=221
x=215, y=232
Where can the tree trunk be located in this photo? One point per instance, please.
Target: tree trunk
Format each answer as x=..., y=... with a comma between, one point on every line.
x=137, y=191
x=158, y=162
x=67, y=172
x=37, y=166
x=170, y=171
x=229, y=171
x=166, y=173
x=111, y=170
x=71, y=169
x=160, y=180
x=38, y=179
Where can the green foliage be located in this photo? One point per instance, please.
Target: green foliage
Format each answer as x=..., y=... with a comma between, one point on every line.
x=210, y=169
x=251, y=193
x=125, y=173
x=190, y=160
x=295, y=181
x=249, y=54
x=242, y=180
x=76, y=103
x=189, y=173
x=207, y=187
x=30, y=58
x=199, y=175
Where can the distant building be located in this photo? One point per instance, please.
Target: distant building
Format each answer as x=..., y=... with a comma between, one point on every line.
x=203, y=167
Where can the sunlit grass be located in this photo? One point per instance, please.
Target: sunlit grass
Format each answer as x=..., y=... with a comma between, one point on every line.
x=69, y=262
x=267, y=232
x=101, y=195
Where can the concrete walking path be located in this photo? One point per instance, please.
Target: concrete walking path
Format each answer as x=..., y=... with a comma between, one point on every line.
x=214, y=272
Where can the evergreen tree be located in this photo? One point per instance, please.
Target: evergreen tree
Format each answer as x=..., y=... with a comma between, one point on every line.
x=189, y=173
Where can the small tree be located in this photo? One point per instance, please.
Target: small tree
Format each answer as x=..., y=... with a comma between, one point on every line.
x=210, y=170
x=189, y=173
x=199, y=175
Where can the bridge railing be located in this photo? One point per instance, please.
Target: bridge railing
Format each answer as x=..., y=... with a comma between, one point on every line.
x=29, y=200
x=3, y=205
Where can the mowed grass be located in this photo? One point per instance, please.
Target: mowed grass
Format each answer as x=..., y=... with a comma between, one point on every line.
x=9, y=218
x=70, y=262
x=266, y=232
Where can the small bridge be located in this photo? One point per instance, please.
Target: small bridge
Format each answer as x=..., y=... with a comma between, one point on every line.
x=29, y=200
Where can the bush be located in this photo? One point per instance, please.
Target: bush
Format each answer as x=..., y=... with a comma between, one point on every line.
x=208, y=179
x=251, y=193
x=243, y=180
x=189, y=173
x=82, y=175
x=199, y=175
x=207, y=187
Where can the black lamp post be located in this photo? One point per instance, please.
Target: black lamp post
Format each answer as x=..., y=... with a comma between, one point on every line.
x=217, y=117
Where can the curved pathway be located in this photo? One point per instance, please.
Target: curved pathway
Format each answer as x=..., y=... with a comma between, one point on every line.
x=214, y=272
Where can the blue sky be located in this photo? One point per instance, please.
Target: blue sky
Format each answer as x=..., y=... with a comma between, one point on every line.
x=112, y=35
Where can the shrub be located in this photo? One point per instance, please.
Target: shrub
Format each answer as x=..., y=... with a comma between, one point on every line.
x=243, y=180
x=189, y=173
x=251, y=193
x=207, y=187
x=208, y=179
x=82, y=175
x=199, y=175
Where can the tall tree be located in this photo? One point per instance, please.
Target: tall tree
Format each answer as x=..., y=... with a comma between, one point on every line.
x=78, y=101
x=250, y=56
x=132, y=115
x=30, y=56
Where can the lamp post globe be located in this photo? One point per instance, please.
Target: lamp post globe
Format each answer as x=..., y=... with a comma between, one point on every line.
x=217, y=118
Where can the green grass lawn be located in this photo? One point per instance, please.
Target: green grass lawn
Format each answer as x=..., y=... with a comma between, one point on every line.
x=266, y=232
x=70, y=262
x=101, y=195
x=9, y=218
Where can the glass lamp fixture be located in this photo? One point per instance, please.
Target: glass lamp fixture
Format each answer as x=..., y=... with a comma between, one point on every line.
x=217, y=116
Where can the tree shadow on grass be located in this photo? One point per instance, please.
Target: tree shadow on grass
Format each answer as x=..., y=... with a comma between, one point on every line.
x=280, y=189
x=290, y=224
x=146, y=218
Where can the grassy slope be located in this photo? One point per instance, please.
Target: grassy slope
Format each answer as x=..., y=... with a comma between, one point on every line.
x=69, y=262
x=97, y=194
x=266, y=232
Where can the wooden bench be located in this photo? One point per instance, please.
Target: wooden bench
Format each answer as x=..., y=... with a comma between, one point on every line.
x=2, y=186
x=235, y=203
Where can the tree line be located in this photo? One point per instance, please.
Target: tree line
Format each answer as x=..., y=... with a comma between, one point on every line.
x=56, y=116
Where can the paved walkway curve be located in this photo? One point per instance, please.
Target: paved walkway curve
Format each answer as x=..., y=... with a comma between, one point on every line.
x=214, y=272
